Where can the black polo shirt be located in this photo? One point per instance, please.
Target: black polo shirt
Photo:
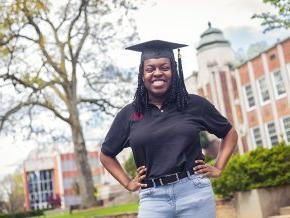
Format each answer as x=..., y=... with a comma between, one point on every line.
x=165, y=140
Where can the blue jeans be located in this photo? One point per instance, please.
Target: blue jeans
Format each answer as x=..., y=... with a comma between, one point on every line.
x=190, y=197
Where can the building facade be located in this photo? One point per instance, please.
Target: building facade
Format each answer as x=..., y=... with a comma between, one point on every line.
x=264, y=90
x=51, y=179
x=254, y=96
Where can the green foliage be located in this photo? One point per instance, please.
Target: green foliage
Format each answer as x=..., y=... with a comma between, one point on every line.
x=32, y=213
x=204, y=141
x=256, y=169
x=130, y=166
x=275, y=21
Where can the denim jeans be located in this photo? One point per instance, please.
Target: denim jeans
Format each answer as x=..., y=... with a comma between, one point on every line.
x=190, y=197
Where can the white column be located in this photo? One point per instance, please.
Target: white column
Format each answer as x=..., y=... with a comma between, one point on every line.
x=272, y=98
x=285, y=75
x=212, y=88
x=220, y=93
x=258, y=103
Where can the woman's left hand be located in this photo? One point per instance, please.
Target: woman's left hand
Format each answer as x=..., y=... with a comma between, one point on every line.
x=206, y=170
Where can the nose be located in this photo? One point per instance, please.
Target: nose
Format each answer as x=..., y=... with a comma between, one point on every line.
x=157, y=72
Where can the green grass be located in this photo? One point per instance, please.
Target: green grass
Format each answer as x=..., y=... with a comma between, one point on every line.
x=95, y=212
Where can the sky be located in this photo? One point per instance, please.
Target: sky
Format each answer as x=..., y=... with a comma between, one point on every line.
x=180, y=21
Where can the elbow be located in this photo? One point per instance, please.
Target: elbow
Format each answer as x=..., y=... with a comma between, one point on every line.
x=233, y=135
x=105, y=159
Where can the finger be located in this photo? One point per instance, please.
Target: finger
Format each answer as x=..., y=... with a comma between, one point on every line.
x=200, y=162
x=140, y=168
x=141, y=172
x=202, y=171
x=141, y=178
x=199, y=167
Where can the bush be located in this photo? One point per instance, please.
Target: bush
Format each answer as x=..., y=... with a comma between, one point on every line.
x=23, y=214
x=256, y=169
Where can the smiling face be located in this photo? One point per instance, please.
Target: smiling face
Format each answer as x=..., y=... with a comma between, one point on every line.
x=157, y=76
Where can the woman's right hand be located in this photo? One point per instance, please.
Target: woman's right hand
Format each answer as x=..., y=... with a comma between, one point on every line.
x=135, y=184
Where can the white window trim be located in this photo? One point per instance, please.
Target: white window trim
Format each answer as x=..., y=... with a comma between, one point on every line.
x=275, y=88
x=283, y=128
x=253, y=136
x=246, y=98
x=260, y=92
x=267, y=133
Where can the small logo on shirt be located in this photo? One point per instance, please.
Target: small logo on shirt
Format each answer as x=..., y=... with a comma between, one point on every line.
x=137, y=116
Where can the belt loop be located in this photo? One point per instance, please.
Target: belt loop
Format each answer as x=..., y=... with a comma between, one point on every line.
x=188, y=174
x=153, y=183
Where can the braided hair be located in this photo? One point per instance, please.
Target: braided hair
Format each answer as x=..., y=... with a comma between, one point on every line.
x=177, y=92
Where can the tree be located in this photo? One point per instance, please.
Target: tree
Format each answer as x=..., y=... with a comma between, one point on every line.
x=276, y=21
x=13, y=192
x=130, y=166
x=47, y=53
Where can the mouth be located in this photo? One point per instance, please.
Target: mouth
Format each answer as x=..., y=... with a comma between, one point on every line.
x=158, y=82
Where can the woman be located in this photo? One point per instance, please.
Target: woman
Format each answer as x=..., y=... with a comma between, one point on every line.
x=162, y=127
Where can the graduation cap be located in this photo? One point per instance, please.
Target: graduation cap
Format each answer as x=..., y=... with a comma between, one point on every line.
x=159, y=49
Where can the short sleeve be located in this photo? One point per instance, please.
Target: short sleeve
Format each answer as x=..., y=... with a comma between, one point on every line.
x=117, y=136
x=214, y=122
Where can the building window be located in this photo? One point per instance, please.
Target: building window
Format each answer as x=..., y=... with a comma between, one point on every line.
x=278, y=84
x=263, y=90
x=257, y=137
x=272, y=133
x=249, y=96
x=40, y=188
x=286, y=124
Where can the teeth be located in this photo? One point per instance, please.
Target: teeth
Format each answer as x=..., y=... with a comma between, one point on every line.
x=158, y=82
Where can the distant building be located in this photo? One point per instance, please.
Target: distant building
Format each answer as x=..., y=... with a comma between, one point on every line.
x=52, y=177
x=254, y=96
x=264, y=88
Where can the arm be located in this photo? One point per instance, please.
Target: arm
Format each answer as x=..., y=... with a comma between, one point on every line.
x=227, y=147
x=115, y=169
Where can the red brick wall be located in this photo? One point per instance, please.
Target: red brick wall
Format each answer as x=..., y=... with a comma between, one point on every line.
x=273, y=59
x=286, y=50
x=244, y=74
x=252, y=118
x=283, y=107
x=258, y=67
x=267, y=113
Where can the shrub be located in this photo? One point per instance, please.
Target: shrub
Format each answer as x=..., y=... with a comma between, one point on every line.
x=256, y=169
x=23, y=214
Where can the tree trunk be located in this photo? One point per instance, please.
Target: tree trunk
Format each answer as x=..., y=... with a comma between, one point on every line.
x=85, y=180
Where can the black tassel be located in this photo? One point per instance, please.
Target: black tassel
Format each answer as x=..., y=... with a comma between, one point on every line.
x=180, y=70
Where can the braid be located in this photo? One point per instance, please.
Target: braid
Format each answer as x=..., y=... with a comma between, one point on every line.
x=177, y=93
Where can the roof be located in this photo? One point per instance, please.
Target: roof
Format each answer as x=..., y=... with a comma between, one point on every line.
x=263, y=51
x=212, y=37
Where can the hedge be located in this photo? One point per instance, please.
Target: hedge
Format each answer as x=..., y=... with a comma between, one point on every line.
x=23, y=214
x=259, y=168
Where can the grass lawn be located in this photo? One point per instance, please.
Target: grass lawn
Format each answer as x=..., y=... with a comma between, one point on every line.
x=95, y=212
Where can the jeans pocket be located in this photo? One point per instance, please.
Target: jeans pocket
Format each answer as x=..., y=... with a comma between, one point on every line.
x=146, y=192
x=200, y=181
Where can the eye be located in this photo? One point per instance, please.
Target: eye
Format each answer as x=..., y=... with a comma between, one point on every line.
x=149, y=69
x=165, y=68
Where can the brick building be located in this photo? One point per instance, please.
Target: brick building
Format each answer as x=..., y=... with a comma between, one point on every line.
x=254, y=96
x=53, y=176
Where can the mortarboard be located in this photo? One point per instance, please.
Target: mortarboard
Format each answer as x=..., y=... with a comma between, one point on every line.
x=159, y=49
x=156, y=49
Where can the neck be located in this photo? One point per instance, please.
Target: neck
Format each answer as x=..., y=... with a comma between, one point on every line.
x=156, y=100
